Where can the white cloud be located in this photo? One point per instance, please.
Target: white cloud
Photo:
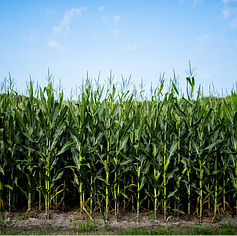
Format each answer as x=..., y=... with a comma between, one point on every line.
x=116, y=18
x=53, y=43
x=196, y=2
x=57, y=46
x=104, y=18
x=233, y=24
x=130, y=47
x=68, y=15
x=226, y=1
x=101, y=9
x=116, y=31
x=30, y=36
x=226, y=12
x=49, y=11
x=203, y=38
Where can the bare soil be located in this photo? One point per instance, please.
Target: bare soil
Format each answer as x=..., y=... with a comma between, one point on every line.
x=68, y=222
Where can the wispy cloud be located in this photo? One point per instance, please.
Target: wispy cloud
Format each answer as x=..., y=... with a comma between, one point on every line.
x=30, y=36
x=53, y=43
x=197, y=2
x=233, y=24
x=227, y=1
x=226, y=12
x=130, y=47
x=64, y=27
x=204, y=76
x=68, y=15
x=104, y=18
x=49, y=11
x=101, y=9
x=116, y=32
x=117, y=18
x=201, y=40
x=56, y=45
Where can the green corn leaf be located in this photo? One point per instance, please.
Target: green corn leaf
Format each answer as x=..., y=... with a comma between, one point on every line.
x=124, y=142
x=103, y=180
x=139, y=171
x=57, y=135
x=166, y=166
x=126, y=162
x=125, y=127
x=76, y=180
x=157, y=177
x=216, y=172
x=8, y=186
x=141, y=127
x=23, y=191
x=179, y=111
x=57, y=177
x=196, y=147
x=20, y=120
x=172, y=194
x=171, y=174
x=217, y=142
x=227, y=110
x=235, y=129
x=143, y=181
x=172, y=149
x=123, y=194
x=146, y=168
x=76, y=160
x=73, y=114
x=102, y=107
x=1, y=170
x=185, y=169
x=65, y=147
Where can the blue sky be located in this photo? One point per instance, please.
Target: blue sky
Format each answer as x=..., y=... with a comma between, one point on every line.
x=138, y=38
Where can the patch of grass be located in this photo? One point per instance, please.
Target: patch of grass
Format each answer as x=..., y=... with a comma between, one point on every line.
x=224, y=229
x=15, y=232
x=83, y=228
x=46, y=224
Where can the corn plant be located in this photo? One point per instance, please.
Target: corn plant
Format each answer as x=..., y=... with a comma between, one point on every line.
x=119, y=148
x=51, y=119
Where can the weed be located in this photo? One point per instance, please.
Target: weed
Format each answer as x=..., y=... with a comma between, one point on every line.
x=17, y=216
x=103, y=214
x=152, y=215
x=82, y=227
x=94, y=227
x=225, y=226
x=3, y=219
x=198, y=223
x=47, y=224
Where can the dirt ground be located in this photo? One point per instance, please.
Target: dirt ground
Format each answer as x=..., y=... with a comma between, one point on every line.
x=62, y=223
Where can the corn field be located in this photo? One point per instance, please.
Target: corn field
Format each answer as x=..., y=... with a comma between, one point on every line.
x=171, y=153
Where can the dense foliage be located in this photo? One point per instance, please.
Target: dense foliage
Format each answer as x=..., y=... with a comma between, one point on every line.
x=168, y=153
